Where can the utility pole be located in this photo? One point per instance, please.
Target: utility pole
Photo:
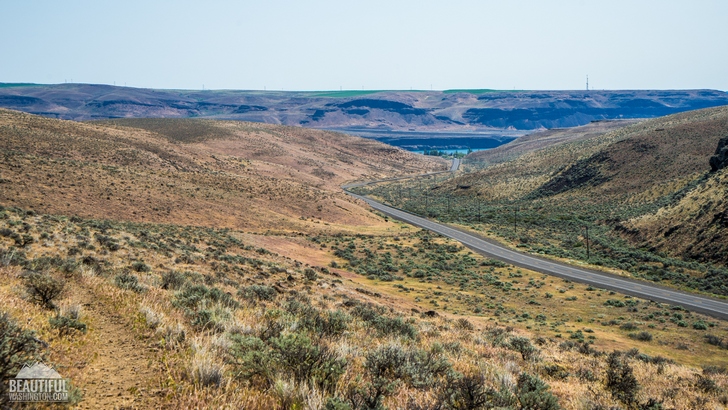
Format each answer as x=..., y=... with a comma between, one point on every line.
x=426, y=205
x=587, y=242
x=476, y=200
x=515, y=220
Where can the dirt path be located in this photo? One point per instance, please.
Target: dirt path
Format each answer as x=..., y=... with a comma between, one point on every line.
x=124, y=368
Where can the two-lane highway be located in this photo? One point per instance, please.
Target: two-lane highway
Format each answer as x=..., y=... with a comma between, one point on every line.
x=603, y=280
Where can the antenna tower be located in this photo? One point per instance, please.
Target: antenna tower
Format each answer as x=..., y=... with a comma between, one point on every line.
x=587, y=82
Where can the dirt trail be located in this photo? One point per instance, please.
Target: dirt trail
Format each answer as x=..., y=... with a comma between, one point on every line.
x=121, y=374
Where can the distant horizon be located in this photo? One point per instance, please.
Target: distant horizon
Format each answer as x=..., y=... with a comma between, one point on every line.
x=376, y=45
x=483, y=90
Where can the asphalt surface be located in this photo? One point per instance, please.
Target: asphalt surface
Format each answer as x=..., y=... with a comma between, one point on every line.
x=641, y=289
x=455, y=164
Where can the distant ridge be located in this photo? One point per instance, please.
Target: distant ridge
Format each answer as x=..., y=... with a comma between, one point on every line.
x=461, y=110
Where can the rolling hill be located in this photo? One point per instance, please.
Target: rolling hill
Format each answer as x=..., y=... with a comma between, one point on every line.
x=191, y=263
x=644, y=197
x=227, y=174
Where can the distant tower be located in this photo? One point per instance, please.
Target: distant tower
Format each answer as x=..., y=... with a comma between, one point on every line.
x=587, y=82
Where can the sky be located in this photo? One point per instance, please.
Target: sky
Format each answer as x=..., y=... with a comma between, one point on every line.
x=371, y=45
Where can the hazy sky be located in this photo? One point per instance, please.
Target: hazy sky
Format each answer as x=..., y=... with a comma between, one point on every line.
x=394, y=44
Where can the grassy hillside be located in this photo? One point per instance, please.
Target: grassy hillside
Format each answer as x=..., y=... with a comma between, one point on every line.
x=633, y=188
x=540, y=140
x=169, y=316
x=186, y=264
x=201, y=172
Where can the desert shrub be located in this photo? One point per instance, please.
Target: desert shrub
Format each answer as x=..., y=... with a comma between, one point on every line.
x=368, y=396
x=107, y=242
x=714, y=340
x=641, y=336
x=384, y=324
x=140, y=267
x=66, y=325
x=15, y=257
x=712, y=369
x=45, y=263
x=523, y=346
x=556, y=371
x=586, y=375
x=615, y=303
x=706, y=384
x=69, y=267
x=466, y=391
x=173, y=280
x=207, y=308
x=497, y=335
x=330, y=323
x=397, y=325
x=212, y=318
x=271, y=325
x=43, y=288
x=629, y=326
x=201, y=296
x=700, y=325
x=336, y=403
x=253, y=293
x=650, y=404
x=251, y=359
x=296, y=355
x=620, y=380
x=416, y=368
x=533, y=394
x=128, y=281
x=335, y=323
x=17, y=347
x=310, y=274
x=463, y=324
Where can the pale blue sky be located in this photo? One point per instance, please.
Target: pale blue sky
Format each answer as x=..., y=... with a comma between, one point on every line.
x=324, y=45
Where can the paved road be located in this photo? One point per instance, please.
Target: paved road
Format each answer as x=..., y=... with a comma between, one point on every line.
x=646, y=290
x=455, y=164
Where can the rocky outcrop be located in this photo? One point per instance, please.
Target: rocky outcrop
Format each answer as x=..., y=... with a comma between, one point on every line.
x=720, y=159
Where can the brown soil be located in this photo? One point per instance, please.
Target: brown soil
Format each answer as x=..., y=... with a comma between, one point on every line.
x=119, y=376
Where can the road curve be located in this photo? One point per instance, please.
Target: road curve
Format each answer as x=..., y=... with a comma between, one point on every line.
x=709, y=306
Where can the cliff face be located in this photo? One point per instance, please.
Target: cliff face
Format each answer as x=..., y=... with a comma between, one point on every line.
x=720, y=159
x=456, y=110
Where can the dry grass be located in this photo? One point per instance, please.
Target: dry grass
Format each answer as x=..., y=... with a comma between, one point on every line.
x=255, y=177
x=196, y=371
x=210, y=282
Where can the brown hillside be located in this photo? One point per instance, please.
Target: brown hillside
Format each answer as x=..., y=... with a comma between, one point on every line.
x=639, y=163
x=543, y=139
x=224, y=174
x=287, y=309
x=695, y=227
